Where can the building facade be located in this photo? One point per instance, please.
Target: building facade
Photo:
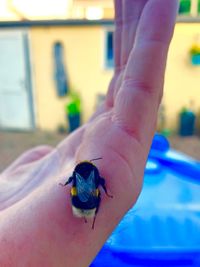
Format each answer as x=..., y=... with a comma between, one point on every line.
x=29, y=97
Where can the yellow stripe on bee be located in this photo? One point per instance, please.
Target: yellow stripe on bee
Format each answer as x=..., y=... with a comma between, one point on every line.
x=73, y=191
x=97, y=192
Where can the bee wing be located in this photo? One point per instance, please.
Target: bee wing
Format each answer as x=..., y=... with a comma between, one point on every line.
x=85, y=187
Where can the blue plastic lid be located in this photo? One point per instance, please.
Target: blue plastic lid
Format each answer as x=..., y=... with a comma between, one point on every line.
x=163, y=227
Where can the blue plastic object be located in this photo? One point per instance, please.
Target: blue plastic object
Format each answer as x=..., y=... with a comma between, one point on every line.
x=163, y=228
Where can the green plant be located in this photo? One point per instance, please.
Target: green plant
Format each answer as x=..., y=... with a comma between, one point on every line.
x=73, y=105
x=195, y=50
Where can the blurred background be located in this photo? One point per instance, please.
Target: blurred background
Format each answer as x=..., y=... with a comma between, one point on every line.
x=56, y=61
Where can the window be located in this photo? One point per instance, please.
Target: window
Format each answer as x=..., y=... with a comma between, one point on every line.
x=59, y=70
x=189, y=8
x=198, y=7
x=109, y=53
x=185, y=7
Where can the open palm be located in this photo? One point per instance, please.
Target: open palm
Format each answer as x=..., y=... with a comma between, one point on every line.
x=37, y=227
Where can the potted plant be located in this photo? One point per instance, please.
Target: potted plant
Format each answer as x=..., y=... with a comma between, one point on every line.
x=195, y=54
x=186, y=122
x=73, y=111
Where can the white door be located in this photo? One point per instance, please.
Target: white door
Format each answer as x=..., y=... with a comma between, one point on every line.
x=15, y=87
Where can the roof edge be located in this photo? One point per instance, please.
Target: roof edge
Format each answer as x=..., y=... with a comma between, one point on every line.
x=73, y=22
x=42, y=23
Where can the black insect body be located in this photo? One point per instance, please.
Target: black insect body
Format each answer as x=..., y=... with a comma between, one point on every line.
x=85, y=193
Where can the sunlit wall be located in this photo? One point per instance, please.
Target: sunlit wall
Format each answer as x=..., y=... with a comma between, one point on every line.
x=84, y=57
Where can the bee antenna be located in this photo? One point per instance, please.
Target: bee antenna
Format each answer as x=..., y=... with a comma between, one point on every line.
x=95, y=159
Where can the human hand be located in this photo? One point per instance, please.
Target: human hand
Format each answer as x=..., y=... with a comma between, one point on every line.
x=37, y=227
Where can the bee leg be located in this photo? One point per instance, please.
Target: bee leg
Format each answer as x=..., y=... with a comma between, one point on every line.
x=97, y=209
x=68, y=181
x=102, y=183
x=93, y=222
x=85, y=220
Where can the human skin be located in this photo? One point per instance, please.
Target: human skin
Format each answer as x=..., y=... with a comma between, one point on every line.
x=37, y=227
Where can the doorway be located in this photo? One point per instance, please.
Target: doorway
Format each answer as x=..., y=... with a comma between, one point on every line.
x=16, y=101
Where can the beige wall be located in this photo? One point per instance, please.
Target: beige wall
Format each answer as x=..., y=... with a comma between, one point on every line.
x=84, y=55
x=182, y=84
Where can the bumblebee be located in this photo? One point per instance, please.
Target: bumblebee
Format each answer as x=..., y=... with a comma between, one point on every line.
x=85, y=193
